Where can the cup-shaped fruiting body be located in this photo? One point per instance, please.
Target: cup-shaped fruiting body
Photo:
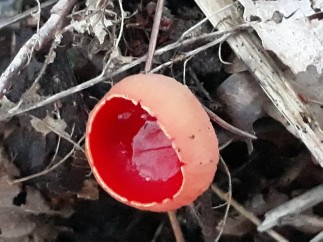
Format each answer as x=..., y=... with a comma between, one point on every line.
x=150, y=143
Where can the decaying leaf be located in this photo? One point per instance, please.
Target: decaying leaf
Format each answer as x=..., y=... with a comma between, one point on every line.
x=35, y=202
x=7, y=191
x=291, y=29
x=5, y=104
x=49, y=124
x=19, y=207
x=94, y=22
x=90, y=190
x=14, y=222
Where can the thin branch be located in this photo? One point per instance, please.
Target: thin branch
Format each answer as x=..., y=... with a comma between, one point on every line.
x=275, y=83
x=14, y=19
x=228, y=126
x=229, y=196
x=36, y=42
x=154, y=35
x=200, y=85
x=189, y=54
x=221, y=194
x=318, y=237
x=8, y=114
x=121, y=25
x=46, y=171
x=34, y=87
x=64, y=136
x=296, y=205
x=176, y=226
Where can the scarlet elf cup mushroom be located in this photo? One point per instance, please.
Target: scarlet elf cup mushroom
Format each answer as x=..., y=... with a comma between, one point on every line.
x=150, y=143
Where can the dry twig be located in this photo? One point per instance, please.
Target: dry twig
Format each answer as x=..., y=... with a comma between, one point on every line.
x=49, y=169
x=10, y=113
x=189, y=54
x=318, y=237
x=25, y=14
x=229, y=198
x=46, y=33
x=228, y=126
x=224, y=196
x=151, y=50
x=176, y=226
x=154, y=35
x=294, y=206
x=271, y=78
x=34, y=87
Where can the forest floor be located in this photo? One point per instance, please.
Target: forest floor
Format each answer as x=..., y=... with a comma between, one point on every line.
x=47, y=191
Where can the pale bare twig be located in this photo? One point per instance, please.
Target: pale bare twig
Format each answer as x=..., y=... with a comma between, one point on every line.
x=37, y=13
x=189, y=54
x=320, y=103
x=158, y=232
x=228, y=126
x=56, y=151
x=318, y=237
x=46, y=171
x=208, y=45
x=186, y=33
x=196, y=215
x=33, y=87
x=167, y=64
x=154, y=35
x=100, y=78
x=184, y=69
x=220, y=205
x=116, y=44
x=220, y=56
x=296, y=205
x=151, y=50
x=200, y=85
x=26, y=14
x=229, y=196
x=176, y=226
x=223, y=146
x=45, y=34
x=221, y=194
x=121, y=25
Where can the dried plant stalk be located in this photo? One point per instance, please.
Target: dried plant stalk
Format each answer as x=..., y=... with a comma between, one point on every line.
x=270, y=77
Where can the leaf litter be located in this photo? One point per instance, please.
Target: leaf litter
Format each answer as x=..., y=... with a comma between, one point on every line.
x=265, y=172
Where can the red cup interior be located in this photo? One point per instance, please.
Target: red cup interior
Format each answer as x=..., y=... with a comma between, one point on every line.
x=132, y=155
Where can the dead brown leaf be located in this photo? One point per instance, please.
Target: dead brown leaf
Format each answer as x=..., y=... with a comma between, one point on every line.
x=90, y=190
